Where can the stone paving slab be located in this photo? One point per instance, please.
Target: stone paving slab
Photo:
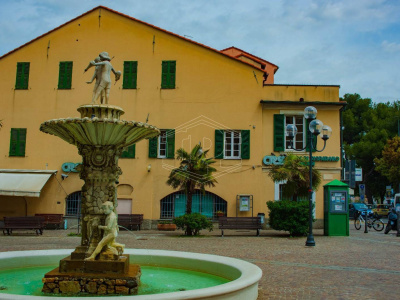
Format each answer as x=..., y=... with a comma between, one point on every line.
x=361, y=266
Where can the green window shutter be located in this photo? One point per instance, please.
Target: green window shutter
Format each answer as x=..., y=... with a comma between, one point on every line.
x=170, y=143
x=279, y=132
x=65, y=75
x=245, y=147
x=153, y=143
x=168, y=74
x=13, y=142
x=172, y=74
x=22, y=80
x=315, y=138
x=130, y=75
x=17, y=142
x=219, y=143
x=130, y=152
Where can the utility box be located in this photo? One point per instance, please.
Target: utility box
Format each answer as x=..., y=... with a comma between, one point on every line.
x=336, y=209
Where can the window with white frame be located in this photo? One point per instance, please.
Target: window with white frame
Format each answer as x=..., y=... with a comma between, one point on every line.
x=162, y=144
x=299, y=139
x=232, y=145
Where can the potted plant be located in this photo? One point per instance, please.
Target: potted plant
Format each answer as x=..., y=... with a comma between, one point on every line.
x=220, y=213
x=166, y=226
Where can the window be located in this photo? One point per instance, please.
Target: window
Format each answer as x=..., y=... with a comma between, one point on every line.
x=163, y=146
x=130, y=75
x=129, y=152
x=298, y=141
x=17, y=142
x=207, y=204
x=232, y=144
x=168, y=74
x=73, y=204
x=22, y=80
x=65, y=75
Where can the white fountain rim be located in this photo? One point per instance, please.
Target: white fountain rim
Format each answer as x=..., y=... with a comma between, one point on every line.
x=250, y=274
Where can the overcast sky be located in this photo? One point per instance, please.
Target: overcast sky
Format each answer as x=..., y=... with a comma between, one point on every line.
x=351, y=43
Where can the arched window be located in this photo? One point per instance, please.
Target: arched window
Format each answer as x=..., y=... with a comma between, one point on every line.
x=208, y=204
x=73, y=204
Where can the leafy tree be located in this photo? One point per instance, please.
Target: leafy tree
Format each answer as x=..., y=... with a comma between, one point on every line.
x=355, y=117
x=389, y=164
x=195, y=172
x=295, y=170
x=368, y=126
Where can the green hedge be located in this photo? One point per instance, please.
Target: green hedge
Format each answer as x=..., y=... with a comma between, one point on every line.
x=289, y=216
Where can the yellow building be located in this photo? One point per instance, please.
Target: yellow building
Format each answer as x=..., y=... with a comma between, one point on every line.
x=227, y=100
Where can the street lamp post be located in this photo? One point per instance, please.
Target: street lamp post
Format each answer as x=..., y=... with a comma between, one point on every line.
x=316, y=127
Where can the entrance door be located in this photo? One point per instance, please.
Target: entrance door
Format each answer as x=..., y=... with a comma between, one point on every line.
x=124, y=206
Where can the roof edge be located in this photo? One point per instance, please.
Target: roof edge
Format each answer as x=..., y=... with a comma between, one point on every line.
x=137, y=20
x=304, y=103
x=251, y=55
x=316, y=85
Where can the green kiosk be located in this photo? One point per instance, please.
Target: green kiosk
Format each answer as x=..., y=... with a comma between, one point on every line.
x=336, y=211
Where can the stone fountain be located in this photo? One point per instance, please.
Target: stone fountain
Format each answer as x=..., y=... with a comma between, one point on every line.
x=98, y=263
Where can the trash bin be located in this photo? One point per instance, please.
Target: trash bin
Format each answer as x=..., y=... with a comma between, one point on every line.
x=262, y=216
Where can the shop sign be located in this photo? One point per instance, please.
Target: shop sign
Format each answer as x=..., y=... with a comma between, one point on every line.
x=278, y=160
x=70, y=167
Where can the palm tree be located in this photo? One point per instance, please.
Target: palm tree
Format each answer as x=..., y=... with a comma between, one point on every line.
x=195, y=171
x=295, y=171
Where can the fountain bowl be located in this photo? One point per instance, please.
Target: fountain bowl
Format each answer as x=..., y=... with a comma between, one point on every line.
x=244, y=276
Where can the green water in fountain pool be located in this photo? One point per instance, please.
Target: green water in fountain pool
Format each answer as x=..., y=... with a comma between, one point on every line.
x=154, y=280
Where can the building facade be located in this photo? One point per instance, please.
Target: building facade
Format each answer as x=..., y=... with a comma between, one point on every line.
x=227, y=100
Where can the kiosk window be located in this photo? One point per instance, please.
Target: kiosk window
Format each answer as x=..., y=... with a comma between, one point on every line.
x=338, y=202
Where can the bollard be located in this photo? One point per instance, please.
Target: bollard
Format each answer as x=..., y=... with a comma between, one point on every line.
x=366, y=222
x=398, y=220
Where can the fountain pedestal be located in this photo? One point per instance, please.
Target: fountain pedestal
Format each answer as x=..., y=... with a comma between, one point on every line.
x=97, y=266
x=93, y=277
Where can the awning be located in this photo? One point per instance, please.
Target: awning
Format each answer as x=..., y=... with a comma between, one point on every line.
x=27, y=183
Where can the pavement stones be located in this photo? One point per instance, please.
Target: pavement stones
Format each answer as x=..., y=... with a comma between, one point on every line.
x=361, y=266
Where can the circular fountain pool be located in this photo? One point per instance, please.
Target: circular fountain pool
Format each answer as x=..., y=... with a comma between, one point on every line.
x=164, y=272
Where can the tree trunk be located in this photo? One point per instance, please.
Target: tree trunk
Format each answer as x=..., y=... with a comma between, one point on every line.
x=189, y=195
x=295, y=197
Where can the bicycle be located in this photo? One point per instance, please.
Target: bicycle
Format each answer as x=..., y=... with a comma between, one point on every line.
x=373, y=221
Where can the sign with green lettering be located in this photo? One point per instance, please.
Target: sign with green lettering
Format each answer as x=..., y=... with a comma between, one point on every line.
x=278, y=160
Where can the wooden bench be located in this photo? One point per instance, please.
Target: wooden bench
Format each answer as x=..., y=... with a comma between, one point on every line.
x=240, y=223
x=55, y=220
x=129, y=221
x=23, y=223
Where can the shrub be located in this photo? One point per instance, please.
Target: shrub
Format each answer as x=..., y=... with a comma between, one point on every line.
x=193, y=223
x=289, y=216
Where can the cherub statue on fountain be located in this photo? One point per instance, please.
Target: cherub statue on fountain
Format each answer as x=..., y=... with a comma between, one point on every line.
x=108, y=246
x=102, y=76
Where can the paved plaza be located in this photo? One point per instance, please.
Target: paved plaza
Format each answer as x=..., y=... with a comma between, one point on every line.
x=361, y=266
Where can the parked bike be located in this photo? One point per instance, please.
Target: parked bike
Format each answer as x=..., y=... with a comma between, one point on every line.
x=392, y=221
x=373, y=221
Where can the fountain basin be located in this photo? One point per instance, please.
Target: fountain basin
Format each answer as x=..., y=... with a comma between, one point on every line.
x=244, y=276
